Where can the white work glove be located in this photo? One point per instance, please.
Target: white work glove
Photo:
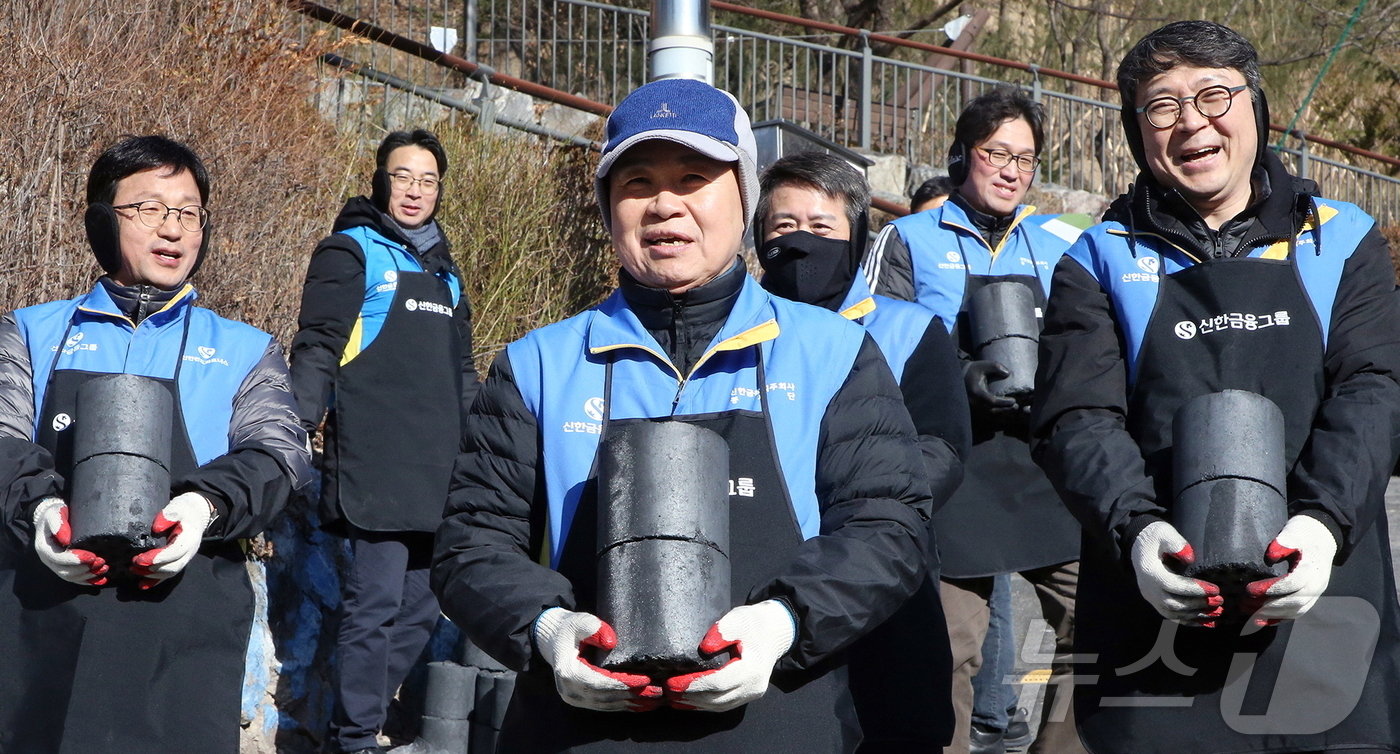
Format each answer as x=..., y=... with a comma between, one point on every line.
x=758, y=635
x=183, y=522
x=1159, y=554
x=52, y=536
x=560, y=635
x=1309, y=547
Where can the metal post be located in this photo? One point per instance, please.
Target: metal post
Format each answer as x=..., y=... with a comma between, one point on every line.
x=469, y=31
x=1303, y=153
x=1035, y=81
x=682, y=45
x=866, y=66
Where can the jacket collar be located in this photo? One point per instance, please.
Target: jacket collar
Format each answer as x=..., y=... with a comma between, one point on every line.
x=99, y=302
x=1277, y=212
x=859, y=301
x=952, y=216
x=615, y=326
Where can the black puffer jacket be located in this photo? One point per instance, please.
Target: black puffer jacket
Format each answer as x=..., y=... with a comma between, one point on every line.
x=330, y=301
x=873, y=500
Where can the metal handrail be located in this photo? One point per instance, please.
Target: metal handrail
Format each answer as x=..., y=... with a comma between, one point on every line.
x=1016, y=65
x=558, y=49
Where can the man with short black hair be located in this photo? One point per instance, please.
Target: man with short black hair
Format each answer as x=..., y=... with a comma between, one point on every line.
x=812, y=219
x=828, y=503
x=1220, y=271
x=931, y=193
x=1006, y=517
x=149, y=657
x=384, y=353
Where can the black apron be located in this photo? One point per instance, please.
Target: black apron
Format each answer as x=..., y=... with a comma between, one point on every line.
x=115, y=668
x=804, y=712
x=1005, y=516
x=1289, y=680
x=393, y=433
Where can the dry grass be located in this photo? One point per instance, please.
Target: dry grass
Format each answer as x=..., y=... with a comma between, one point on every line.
x=525, y=231
x=218, y=76
x=232, y=79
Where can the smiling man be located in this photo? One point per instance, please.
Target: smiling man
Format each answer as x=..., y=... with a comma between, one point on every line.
x=383, y=352
x=1219, y=270
x=828, y=506
x=1005, y=518
x=150, y=658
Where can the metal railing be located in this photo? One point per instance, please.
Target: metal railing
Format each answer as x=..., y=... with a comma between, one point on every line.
x=878, y=104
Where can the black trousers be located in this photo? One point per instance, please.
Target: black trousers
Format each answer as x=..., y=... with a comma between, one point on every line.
x=387, y=614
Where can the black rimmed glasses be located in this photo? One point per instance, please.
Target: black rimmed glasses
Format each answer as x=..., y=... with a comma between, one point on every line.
x=427, y=184
x=1210, y=102
x=1000, y=158
x=152, y=214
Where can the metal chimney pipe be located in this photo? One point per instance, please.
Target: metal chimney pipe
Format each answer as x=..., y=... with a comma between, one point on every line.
x=682, y=45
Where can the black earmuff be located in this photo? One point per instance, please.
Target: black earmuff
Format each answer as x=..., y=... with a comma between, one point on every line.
x=957, y=163
x=380, y=190
x=100, y=221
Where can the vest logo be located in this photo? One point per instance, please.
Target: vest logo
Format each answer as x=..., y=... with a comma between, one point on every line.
x=742, y=487
x=1150, y=265
x=414, y=305
x=391, y=276
x=206, y=355
x=62, y=422
x=75, y=343
x=954, y=262
x=665, y=111
x=593, y=408
x=1187, y=329
x=788, y=389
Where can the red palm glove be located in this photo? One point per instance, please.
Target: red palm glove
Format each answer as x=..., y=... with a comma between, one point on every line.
x=1159, y=554
x=560, y=636
x=52, y=537
x=758, y=635
x=1309, y=547
x=183, y=522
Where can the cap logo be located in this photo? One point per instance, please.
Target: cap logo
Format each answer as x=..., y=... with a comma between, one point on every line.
x=665, y=111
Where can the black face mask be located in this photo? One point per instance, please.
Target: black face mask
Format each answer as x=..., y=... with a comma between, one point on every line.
x=805, y=267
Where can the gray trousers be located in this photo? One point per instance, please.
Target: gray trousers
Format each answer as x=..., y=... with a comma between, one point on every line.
x=965, y=606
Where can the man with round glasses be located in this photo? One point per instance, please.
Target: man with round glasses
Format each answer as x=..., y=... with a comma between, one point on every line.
x=1219, y=270
x=384, y=353
x=1005, y=518
x=149, y=657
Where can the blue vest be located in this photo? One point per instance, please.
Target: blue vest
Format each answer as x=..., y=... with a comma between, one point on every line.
x=807, y=354
x=384, y=260
x=945, y=247
x=218, y=354
x=897, y=326
x=1131, y=277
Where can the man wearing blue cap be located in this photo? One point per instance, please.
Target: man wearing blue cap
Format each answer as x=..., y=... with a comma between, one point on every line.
x=828, y=501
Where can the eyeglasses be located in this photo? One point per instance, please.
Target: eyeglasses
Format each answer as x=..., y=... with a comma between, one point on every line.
x=1000, y=158
x=1210, y=102
x=152, y=214
x=402, y=181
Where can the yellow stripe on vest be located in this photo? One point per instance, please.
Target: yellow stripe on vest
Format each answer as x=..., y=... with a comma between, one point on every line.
x=353, y=345
x=1279, y=249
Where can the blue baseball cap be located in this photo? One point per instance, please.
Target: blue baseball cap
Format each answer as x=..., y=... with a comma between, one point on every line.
x=687, y=112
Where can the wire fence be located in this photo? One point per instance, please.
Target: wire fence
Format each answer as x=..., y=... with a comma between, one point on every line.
x=849, y=96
